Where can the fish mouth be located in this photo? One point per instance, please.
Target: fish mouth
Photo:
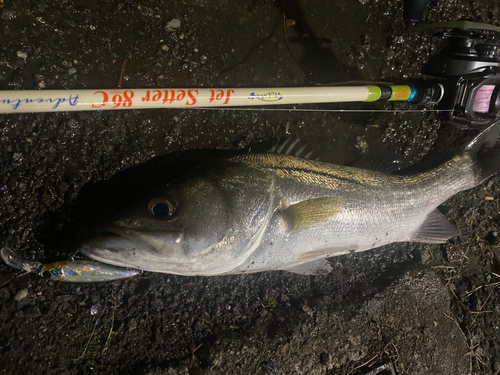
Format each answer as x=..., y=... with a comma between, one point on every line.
x=125, y=247
x=111, y=249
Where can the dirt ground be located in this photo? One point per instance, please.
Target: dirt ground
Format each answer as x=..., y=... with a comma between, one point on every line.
x=426, y=309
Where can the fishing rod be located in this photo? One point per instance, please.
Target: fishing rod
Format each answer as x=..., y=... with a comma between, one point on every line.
x=86, y=100
x=466, y=88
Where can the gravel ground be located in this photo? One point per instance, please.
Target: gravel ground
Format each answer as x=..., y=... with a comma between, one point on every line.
x=427, y=309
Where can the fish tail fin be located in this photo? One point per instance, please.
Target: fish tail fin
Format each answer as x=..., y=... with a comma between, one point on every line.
x=485, y=153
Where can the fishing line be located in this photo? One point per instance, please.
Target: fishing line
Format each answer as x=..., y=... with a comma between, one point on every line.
x=323, y=110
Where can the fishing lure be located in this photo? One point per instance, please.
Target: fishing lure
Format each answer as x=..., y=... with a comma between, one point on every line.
x=76, y=271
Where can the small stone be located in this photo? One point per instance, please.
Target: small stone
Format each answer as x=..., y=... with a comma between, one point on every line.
x=17, y=157
x=22, y=54
x=307, y=309
x=8, y=14
x=497, y=309
x=165, y=47
x=71, y=71
x=173, y=24
x=132, y=325
x=95, y=309
x=22, y=294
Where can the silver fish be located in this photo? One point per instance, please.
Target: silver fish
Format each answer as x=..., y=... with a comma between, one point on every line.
x=262, y=212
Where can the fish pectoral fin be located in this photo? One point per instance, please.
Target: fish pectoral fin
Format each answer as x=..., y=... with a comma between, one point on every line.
x=435, y=229
x=317, y=267
x=311, y=213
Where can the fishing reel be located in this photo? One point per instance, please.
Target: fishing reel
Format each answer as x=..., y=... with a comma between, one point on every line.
x=469, y=63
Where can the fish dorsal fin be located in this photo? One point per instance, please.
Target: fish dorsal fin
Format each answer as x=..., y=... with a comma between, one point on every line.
x=317, y=267
x=311, y=213
x=435, y=229
x=381, y=160
x=294, y=147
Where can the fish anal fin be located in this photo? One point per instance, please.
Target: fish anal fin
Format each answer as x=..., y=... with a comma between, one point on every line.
x=317, y=267
x=435, y=229
x=312, y=212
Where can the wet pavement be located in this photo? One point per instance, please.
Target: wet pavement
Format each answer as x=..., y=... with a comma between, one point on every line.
x=427, y=309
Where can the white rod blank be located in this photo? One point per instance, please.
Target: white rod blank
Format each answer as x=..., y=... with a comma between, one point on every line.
x=22, y=101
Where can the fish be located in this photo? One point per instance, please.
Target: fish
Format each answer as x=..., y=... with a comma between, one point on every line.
x=274, y=212
x=77, y=271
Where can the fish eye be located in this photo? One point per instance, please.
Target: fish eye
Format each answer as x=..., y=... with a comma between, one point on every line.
x=162, y=208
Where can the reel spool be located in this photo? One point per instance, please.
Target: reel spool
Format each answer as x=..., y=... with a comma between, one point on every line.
x=470, y=65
